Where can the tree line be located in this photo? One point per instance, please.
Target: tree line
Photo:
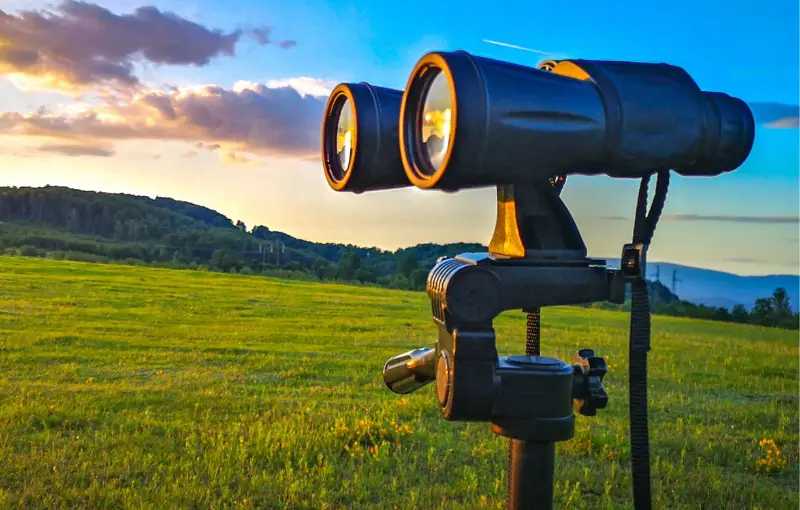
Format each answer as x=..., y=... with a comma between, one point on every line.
x=64, y=223
x=770, y=311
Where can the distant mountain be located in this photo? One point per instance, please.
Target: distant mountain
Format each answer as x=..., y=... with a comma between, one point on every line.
x=720, y=289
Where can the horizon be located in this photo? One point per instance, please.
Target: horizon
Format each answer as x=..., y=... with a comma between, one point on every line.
x=608, y=258
x=221, y=106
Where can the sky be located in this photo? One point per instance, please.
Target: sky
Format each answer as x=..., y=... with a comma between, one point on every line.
x=220, y=104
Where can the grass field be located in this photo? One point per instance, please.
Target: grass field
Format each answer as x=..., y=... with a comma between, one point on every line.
x=154, y=388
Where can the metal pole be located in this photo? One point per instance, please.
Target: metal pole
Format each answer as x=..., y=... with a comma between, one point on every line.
x=531, y=465
x=531, y=468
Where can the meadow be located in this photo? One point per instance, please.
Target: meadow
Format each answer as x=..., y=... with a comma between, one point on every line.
x=155, y=388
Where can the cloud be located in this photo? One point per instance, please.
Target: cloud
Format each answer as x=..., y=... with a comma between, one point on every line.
x=744, y=260
x=77, y=150
x=784, y=123
x=732, y=219
x=190, y=153
x=614, y=218
x=80, y=44
x=251, y=118
x=776, y=115
x=262, y=36
x=751, y=260
x=728, y=219
x=304, y=85
x=231, y=158
x=211, y=147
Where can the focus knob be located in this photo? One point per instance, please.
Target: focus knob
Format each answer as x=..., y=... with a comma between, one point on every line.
x=588, y=392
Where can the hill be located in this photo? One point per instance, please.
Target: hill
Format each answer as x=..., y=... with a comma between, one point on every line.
x=120, y=226
x=96, y=226
x=718, y=288
x=125, y=387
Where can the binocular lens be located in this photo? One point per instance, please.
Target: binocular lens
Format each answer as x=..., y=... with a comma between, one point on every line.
x=359, y=139
x=345, y=136
x=436, y=122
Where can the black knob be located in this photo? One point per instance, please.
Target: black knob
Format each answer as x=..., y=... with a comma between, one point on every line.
x=588, y=392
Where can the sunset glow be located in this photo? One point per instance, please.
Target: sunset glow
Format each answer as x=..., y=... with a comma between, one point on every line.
x=197, y=110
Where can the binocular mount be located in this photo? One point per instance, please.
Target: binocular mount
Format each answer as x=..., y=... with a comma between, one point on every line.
x=537, y=258
x=464, y=122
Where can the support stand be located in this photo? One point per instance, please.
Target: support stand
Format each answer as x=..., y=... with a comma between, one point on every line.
x=536, y=258
x=531, y=468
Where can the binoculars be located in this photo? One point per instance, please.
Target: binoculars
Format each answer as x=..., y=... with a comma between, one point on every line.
x=465, y=121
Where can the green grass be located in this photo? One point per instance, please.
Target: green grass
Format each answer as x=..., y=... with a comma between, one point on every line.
x=156, y=388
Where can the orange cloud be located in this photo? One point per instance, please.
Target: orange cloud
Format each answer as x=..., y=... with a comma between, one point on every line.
x=74, y=150
x=232, y=158
x=254, y=118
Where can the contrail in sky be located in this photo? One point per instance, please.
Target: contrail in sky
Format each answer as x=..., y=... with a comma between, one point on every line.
x=540, y=52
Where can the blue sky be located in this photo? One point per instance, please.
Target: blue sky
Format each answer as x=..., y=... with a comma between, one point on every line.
x=746, y=49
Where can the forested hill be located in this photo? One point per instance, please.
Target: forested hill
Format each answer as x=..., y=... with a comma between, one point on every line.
x=122, y=226
x=61, y=222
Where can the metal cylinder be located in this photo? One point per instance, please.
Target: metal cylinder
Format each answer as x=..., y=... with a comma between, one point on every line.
x=531, y=469
x=411, y=370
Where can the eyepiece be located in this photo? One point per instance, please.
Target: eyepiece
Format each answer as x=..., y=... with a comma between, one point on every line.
x=360, y=139
x=728, y=138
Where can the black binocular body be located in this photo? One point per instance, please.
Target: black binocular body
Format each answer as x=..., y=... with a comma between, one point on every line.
x=465, y=121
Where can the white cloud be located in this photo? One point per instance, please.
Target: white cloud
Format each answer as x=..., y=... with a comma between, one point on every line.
x=305, y=86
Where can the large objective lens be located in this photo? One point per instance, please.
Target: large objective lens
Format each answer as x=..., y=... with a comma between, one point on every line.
x=436, y=122
x=360, y=148
x=345, y=131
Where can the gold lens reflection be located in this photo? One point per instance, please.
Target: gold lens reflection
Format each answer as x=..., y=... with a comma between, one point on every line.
x=437, y=114
x=345, y=131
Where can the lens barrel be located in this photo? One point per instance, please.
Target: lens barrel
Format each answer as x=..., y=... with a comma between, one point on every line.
x=511, y=123
x=369, y=159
